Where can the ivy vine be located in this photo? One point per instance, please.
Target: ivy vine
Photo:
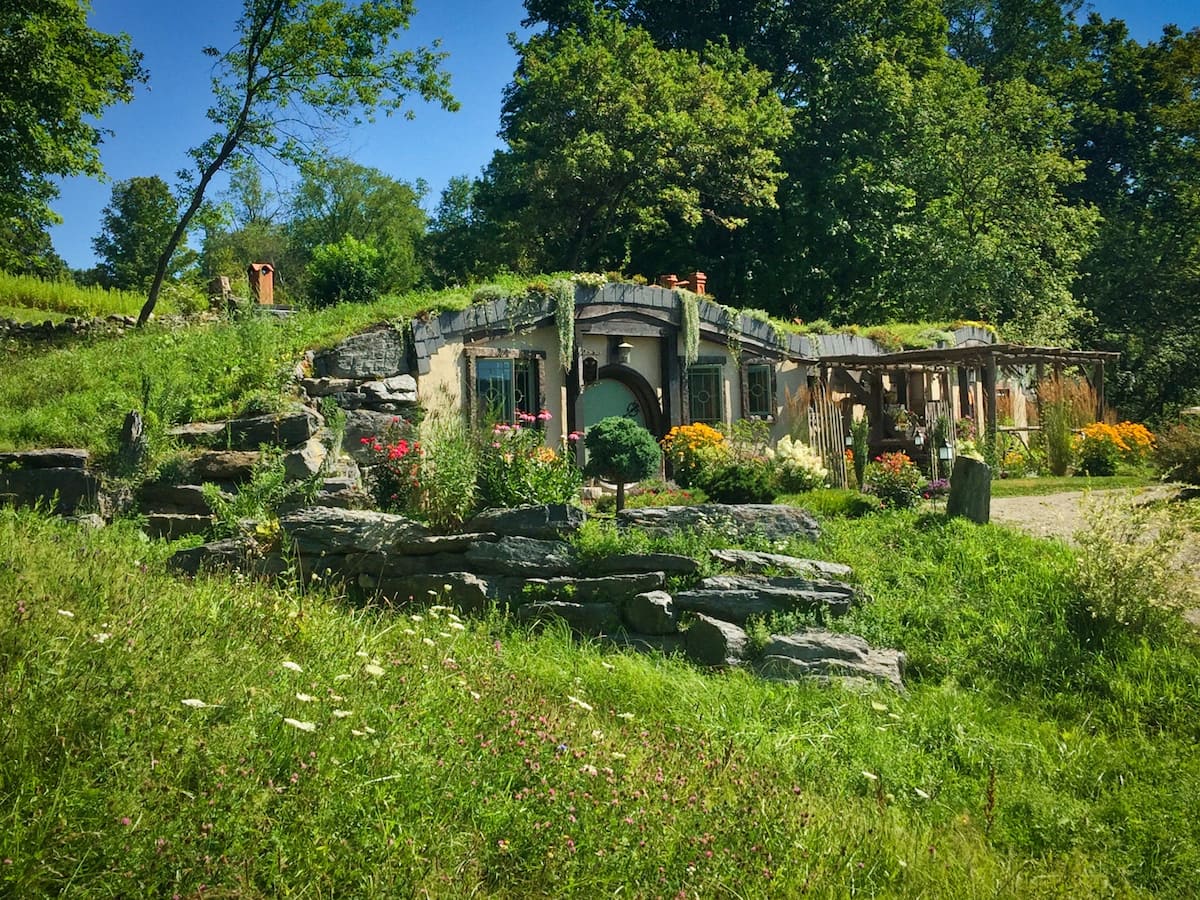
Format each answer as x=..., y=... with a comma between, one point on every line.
x=731, y=324
x=563, y=293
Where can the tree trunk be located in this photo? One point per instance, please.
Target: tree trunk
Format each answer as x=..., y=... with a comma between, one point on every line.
x=620, y=495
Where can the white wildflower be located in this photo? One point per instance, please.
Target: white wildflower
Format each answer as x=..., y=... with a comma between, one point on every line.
x=361, y=654
x=372, y=669
x=291, y=666
x=920, y=793
x=408, y=631
x=417, y=618
x=580, y=703
x=342, y=677
x=342, y=713
x=301, y=726
x=196, y=704
x=427, y=641
x=101, y=637
x=306, y=698
x=588, y=769
x=457, y=626
x=67, y=613
x=870, y=776
x=627, y=716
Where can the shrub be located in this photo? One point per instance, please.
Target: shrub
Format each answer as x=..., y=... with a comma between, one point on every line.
x=620, y=450
x=831, y=502
x=345, y=272
x=800, y=468
x=1102, y=447
x=1126, y=578
x=655, y=494
x=449, y=471
x=895, y=480
x=752, y=481
x=516, y=468
x=692, y=449
x=395, y=477
x=1177, y=453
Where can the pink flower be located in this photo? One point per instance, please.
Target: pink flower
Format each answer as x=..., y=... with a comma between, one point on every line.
x=544, y=416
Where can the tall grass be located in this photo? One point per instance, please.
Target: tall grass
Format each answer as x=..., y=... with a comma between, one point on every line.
x=66, y=297
x=326, y=749
x=1064, y=403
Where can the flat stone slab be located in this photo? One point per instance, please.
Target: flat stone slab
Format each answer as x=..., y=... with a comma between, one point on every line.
x=224, y=465
x=324, y=531
x=819, y=653
x=62, y=490
x=400, y=390
x=737, y=598
x=289, y=429
x=738, y=521
x=521, y=556
x=463, y=590
x=323, y=387
x=670, y=563
x=198, y=434
x=588, y=618
x=444, y=543
x=755, y=562
x=224, y=556
x=169, y=526
x=177, y=499
x=606, y=589
x=543, y=522
x=48, y=458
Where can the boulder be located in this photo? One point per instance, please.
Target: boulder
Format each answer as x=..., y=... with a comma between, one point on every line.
x=651, y=612
x=198, y=434
x=400, y=390
x=50, y=458
x=970, y=490
x=756, y=562
x=304, y=461
x=712, y=642
x=819, y=653
x=175, y=499
x=587, y=618
x=738, y=521
x=737, y=599
x=169, y=526
x=443, y=543
x=64, y=490
x=545, y=522
x=324, y=387
x=379, y=353
x=521, y=556
x=609, y=588
x=225, y=555
x=670, y=563
x=224, y=465
x=290, y=428
x=318, y=531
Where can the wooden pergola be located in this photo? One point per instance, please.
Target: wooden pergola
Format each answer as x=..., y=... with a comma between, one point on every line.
x=985, y=359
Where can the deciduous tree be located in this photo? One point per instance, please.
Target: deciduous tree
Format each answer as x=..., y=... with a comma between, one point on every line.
x=298, y=66
x=134, y=228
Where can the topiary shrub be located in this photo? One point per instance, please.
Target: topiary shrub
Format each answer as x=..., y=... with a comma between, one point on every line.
x=752, y=481
x=620, y=450
x=345, y=272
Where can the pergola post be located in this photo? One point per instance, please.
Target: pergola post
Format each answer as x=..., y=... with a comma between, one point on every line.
x=1098, y=384
x=989, y=395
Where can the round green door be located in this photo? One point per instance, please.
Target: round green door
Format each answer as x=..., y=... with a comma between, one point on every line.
x=609, y=397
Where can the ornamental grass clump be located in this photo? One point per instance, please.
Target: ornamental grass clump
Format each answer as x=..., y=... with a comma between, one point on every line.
x=895, y=480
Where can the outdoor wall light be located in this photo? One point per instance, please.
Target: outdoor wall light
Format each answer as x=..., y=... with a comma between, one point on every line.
x=945, y=452
x=624, y=349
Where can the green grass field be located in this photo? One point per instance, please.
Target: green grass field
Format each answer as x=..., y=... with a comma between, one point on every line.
x=223, y=738
x=1048, y=484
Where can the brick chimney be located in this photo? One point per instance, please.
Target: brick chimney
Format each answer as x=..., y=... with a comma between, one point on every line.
x=697, y=281
x=668, y=281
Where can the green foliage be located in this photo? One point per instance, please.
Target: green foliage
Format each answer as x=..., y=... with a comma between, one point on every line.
x=621, y=450
x=1127, y=576
x=840, y=502
x=612, y=140
x=449, y=471
x=396, y=469
x=895, y=480
x=564, y=321
x=689, y=324
x=345, y=272
x=57, y=76
x=284, y=65
x=652, y=494
x=65, y=297
x=1177, y=451
x=748, y=481
x=860, y=446
x=257, y=500
x=134, y=228
x=516, y=468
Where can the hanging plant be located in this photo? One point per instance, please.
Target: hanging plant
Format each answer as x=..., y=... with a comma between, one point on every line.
x=731, y=325
x=689, y=317
x=564, y=319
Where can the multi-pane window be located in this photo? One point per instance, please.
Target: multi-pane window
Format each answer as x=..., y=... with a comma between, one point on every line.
x=760, y=391
x=506, y=387
x=705, y=390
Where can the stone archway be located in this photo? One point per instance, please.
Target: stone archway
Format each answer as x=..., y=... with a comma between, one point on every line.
x=621, y=391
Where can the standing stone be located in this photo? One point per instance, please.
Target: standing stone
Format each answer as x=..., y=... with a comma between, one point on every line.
x=970, y=490
x=305, y=461
x=650, y=613
x=134, y=444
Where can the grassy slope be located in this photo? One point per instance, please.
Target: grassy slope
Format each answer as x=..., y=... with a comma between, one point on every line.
x=471, y=767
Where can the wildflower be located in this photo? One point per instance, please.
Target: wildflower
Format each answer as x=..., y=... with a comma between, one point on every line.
x=372, y=669
x=544, y=416
x=101, y=637
x=341, y=677
x=627, y=716
x=67, y=613
x=427, y=642
x=196, y=704
x=306, y=698
x=342, y=713
x=301, y=726
x=870, y=776
x=920, y=793
x=588, y=769
x=457, y=626
x=294, y=667
x=580, y=703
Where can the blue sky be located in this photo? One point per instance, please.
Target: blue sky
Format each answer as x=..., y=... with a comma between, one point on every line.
x=151, y=135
